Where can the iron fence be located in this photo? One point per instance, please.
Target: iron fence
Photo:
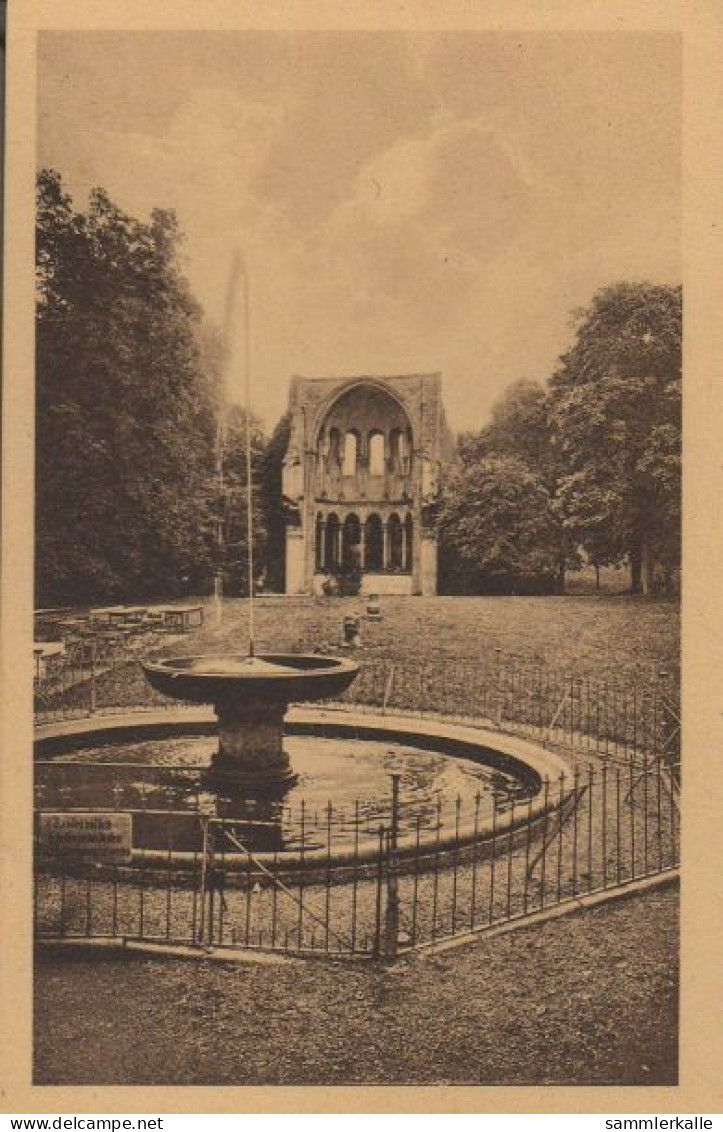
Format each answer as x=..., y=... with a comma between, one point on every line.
x=617, y=720
x=614, y=720
x=355, y=888
x=376, y=885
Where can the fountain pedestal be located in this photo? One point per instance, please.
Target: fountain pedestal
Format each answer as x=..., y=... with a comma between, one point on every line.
x=251, y=695
x=250, y=746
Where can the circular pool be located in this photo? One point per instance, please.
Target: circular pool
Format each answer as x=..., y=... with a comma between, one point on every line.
x=454, y=781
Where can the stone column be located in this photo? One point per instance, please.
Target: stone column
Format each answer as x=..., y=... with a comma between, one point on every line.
x=295, y=551
x=250, y=747
x=428, y=564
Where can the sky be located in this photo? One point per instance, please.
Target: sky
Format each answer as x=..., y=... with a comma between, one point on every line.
x=405, y=202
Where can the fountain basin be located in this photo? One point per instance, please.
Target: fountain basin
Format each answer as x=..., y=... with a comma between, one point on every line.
x=279, y=678
x=510, y=754
x=250, y=696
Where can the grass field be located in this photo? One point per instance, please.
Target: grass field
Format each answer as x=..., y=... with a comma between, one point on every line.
x=605, y=636
x=589, y=999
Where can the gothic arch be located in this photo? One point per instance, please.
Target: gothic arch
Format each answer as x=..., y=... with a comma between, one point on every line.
x=395, y=541
x=332, y=549
x=374, y=543
x=325, y=409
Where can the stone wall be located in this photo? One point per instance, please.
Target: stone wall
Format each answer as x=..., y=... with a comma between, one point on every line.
x=336, y=473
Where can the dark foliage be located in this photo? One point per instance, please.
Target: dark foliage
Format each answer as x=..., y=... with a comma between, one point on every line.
x=498, y=529
x=273, y=505
x=616, y=405
x=595, y=454
x=125, y=408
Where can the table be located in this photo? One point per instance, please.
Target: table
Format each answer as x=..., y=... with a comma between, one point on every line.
x=183, y=617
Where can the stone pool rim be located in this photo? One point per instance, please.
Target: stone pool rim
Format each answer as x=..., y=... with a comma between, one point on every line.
x=479, y=744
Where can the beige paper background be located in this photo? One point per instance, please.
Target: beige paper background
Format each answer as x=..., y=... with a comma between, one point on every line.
x=701, y=25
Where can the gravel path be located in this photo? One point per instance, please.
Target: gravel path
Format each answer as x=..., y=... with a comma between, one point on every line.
x=588, y=999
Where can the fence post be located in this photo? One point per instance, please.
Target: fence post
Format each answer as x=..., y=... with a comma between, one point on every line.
x=498, y=687
x=391, y=922
x=669, y=722
x=211, y=883
x=377, y=948
x=204, y=871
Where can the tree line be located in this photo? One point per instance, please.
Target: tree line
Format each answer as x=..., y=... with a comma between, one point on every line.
x=585, y=467
x=131, y=500
x=140, y=465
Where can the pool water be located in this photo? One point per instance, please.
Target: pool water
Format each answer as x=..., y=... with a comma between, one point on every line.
x=342, y=791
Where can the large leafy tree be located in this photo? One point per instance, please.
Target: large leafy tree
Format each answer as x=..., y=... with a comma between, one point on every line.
x=519, y=426
x=616, y=398
x=125, y=408
x=498, y=529
x=521, y=429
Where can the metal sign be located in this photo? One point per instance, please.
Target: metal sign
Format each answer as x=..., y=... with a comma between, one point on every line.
x=86, y=836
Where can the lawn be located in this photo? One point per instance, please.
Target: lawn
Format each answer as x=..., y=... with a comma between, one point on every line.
x=586, y=661
x=588, y=999
x=606, y=636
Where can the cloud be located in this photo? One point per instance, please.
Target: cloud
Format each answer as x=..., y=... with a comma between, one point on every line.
x=424, y=226
x=402, y=204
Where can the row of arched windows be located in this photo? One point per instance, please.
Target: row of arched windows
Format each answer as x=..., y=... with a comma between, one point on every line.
x=347, y=451
x=372, y=545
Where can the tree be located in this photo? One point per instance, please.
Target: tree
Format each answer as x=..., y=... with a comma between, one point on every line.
x=273, y=502
x=498, y=530
x=521, y=427
x=616, y=399
x=125, y=411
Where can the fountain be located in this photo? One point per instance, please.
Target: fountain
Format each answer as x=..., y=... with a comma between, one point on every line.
x=251, y=695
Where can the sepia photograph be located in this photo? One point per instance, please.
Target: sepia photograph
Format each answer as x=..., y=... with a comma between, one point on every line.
x=357, y=543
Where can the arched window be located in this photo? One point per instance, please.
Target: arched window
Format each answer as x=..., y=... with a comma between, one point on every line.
x=334, y=450
x=373, y=544
x=351, y=452
x=396, y=542
x=376, y=453
x=351, y=543
x=319, y=544
x=331, y=548
x=396, y=449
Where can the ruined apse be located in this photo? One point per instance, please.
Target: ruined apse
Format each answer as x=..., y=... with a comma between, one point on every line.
x=360, y=477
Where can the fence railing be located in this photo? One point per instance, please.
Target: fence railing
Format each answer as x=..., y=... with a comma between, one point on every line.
x=377, y=887
x=614, y=720
x=351, y=888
